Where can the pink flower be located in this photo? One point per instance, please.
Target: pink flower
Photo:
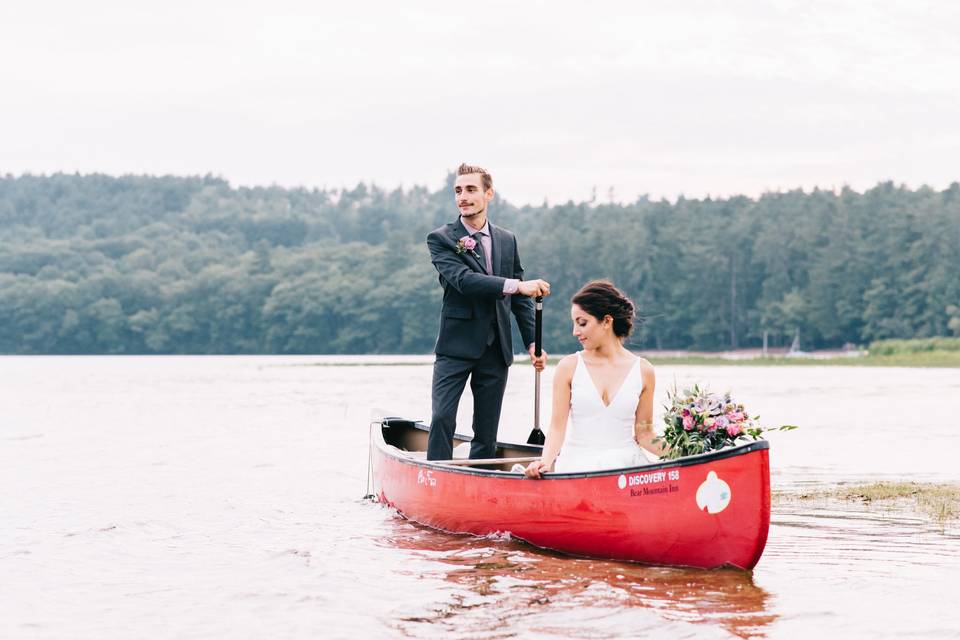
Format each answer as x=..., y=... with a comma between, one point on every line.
x=736, y=416
x=688, y=422
x=733, y=430
x=468, y=243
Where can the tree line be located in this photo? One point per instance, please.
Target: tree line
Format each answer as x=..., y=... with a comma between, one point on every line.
x=96, y=264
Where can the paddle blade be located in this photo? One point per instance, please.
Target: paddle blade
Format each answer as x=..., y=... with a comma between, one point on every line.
x=536, y=437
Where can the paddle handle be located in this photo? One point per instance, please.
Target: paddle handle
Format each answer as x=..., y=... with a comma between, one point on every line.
x=537, y=350
x=538, y=327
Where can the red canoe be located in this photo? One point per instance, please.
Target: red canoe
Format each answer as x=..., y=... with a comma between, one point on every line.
x=706, y=511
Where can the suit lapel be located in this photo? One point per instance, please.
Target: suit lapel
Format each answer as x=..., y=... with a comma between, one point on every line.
x=496, y=244
x=458, y=232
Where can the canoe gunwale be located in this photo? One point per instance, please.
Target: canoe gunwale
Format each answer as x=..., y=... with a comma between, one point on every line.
x=701, y=458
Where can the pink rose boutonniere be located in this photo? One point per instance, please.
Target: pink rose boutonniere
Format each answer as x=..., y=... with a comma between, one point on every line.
x=466, y=244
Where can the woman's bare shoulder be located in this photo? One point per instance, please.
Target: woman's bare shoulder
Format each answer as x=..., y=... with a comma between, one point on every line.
x=567, y=363
x=646, y=369
x=644, y=362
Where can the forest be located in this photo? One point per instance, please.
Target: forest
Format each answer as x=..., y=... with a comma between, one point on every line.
x=98, y=264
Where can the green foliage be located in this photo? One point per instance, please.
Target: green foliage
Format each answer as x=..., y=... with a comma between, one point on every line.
x=898, y=347
x=140, y=264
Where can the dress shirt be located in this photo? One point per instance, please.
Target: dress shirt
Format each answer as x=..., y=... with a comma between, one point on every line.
x=510, y=285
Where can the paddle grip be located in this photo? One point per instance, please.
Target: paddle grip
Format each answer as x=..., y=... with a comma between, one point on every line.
x=538, y=327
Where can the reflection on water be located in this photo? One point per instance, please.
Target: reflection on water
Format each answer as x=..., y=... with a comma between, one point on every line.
x=867, y=569
x=825, y=559
x=874, y=539
x=512, y=588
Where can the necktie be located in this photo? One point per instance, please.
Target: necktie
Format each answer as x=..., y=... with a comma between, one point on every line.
x=485, y=258
x=488, y=265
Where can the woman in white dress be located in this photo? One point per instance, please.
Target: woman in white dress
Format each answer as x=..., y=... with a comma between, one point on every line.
x=604, y=390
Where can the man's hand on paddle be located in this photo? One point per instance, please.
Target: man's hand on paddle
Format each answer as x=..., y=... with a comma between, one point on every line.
x=533, y=288
x=538, y=363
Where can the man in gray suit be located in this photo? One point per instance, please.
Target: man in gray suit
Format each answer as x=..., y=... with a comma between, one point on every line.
x=482, y=280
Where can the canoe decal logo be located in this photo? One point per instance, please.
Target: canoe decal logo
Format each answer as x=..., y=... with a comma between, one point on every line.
x=714, y=494
x=426, y=479
x=622, y=481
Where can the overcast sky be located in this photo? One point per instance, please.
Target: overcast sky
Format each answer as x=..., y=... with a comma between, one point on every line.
x=554, y=98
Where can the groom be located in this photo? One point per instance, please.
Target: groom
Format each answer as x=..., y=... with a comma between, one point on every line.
x=482, y=282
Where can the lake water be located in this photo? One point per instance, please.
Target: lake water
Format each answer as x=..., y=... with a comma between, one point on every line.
x=199, y=497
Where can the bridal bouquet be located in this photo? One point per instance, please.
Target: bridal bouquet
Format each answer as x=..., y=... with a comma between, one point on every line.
x=698, y=421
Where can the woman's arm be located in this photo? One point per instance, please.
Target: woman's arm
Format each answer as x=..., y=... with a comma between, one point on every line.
x=643, y=431
x=558, y=420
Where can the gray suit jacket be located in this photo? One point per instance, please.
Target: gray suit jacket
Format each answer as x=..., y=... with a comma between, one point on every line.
x=473, y=299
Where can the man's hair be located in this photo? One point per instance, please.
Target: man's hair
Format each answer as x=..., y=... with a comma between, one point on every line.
x=485, y=178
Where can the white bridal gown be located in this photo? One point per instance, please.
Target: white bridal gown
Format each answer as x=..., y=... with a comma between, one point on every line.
x=600, y=436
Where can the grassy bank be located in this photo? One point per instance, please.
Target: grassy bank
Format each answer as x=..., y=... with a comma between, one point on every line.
x=924, y=359
x=939, y=502
x=925, y=352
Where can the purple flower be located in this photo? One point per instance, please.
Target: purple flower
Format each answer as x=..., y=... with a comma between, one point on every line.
x=468, y=243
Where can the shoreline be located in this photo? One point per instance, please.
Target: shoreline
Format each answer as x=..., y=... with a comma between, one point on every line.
x=925, y=359
x=928, y=360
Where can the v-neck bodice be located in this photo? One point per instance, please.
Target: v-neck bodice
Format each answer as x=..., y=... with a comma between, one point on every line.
x=601, y=435
x=581, y=364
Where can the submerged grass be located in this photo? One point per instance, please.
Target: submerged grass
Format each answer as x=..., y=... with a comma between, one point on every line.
x=940, y=502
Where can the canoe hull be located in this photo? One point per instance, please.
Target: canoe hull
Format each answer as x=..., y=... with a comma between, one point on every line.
x=704, y=511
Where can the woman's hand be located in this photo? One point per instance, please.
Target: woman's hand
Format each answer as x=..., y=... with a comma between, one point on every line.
x=536, y=468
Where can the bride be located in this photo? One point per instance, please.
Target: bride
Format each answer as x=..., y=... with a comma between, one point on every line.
x=606, y=391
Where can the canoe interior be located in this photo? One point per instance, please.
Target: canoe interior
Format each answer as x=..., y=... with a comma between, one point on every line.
x=411, y=437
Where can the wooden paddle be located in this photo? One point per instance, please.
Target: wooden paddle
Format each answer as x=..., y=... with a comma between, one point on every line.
x=536, y=435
